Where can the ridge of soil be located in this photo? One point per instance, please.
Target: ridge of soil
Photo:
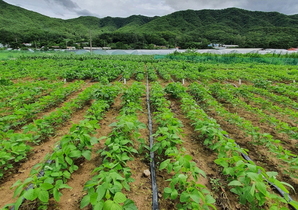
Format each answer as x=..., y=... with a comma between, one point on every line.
x=70, y=199
x=204, y=158
x=141, y=188
x=37, y=155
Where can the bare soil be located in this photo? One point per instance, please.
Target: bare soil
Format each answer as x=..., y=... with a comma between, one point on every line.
x=38, y=154
x=141, y=190
x=71, y=197
x=258, y=153
x=204, y=158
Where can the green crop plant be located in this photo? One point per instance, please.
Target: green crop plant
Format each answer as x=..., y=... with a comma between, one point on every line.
x=248, y=181
x=104, y=190
x=183, y=187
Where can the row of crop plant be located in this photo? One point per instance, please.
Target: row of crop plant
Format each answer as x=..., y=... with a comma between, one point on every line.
x=15, y=95
x=267, y=106
x=249, y=181
x=183, y=187
x=49, y=177
x=27, y=112
x=227, y=93
x=106, y=188
x=201, y=94
x=15, y=146
x=278, y=93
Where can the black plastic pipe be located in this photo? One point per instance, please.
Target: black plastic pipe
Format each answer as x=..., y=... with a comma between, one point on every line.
x=285, y=195
x=152, y=163
x=39, y=175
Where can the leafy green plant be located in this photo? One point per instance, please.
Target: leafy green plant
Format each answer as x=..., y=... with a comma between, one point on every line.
x=249, y=181
x=182, y=185
x=104, y=190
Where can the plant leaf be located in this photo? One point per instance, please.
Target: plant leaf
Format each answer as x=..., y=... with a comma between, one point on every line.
x=30, y=195
x=235, y=183
x=43, y=196
x=87, y=154
x=119, y=197
x=85, y=201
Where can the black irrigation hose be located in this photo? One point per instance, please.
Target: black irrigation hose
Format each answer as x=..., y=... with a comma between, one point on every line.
x=40, y=174
x=152, y=163
x=31, y=186
x=285, y=195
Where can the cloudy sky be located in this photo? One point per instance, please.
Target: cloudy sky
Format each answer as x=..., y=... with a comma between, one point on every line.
x=66, y=9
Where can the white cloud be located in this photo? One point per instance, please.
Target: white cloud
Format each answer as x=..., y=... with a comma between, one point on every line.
x=202, y=4
x=289, y=7
x=123, y=8
x=285, y=6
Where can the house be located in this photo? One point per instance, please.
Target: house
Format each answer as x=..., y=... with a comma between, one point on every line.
x=82, y=43
x=293, y=49
x=70, y=48
x=93, y=48
x=27, y=44
x=4, y=45
x=214, y=45
x=230, y=45
x=160, y=47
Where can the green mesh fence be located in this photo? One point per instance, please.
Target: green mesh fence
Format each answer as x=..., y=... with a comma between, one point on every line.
x=231, y=59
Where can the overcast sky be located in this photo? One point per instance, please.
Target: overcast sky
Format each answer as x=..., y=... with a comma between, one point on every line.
x=67, y=9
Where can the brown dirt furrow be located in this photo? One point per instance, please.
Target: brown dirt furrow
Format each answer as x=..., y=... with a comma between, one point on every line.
x=204, y=158
x=9, y=110
x=287, y=143
x=258, y=153
x=162, y=81
x=280, y=116
x=242, y=82
x=52, y=109
x=141, y=189
x=38, y=154
x=71, y=198
x=68, y=99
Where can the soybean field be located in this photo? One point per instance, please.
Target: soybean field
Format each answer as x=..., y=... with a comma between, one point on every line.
x=134, y=132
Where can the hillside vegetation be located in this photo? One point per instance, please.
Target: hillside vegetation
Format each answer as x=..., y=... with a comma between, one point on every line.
x=186, y=29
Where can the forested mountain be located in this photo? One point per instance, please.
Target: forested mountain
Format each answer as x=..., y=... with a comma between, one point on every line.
x=186, y=29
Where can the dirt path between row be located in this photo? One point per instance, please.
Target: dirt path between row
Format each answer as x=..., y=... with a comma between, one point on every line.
x=258, y=153
x=38, y=154
x=141, y=189
x=204, y=158
x=71, y=198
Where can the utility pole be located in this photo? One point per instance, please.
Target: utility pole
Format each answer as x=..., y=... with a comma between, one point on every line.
x=90, y=42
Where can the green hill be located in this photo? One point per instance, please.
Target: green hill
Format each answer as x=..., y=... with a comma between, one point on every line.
x=187, y=29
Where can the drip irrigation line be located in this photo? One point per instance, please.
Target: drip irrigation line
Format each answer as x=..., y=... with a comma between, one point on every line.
x=152, y=163
x=285, y=195
x=39, y=175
